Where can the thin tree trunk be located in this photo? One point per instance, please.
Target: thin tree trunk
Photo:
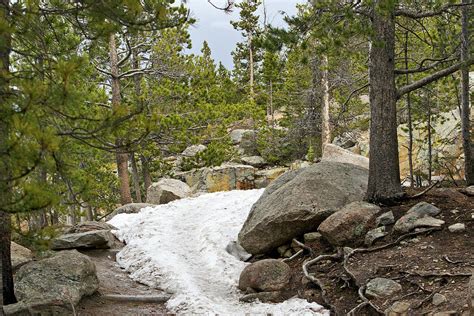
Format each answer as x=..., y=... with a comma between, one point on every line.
x=325, y=128
x=5, y=218
x=135, y=178
x=430, y=142
x=465, y=117
x=146, y=173
x=251, y=69
x=384, y=170
x=121, y=154
x=410, y=123
x=89, y=213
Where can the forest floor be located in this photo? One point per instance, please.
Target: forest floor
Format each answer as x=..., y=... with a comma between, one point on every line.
x=425, y=264
x=114, y=280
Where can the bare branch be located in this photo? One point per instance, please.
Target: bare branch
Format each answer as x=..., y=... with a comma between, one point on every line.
x=426, y=14
x=433, y=77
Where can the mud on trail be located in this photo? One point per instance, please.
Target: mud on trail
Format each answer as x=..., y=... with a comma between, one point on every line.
x=114, y=280
x=425, y=264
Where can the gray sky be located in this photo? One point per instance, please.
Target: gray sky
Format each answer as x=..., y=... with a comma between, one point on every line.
x=214, y=25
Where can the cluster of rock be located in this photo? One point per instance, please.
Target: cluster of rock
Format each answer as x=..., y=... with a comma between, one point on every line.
x=323, y=203
x=55, y=285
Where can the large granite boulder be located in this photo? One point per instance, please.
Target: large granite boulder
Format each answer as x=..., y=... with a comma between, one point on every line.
x=53, y=286
x=167, y=190
x=97, y=239
x=88, y=227
x=348, y=226
x=298, y=201
x=335, y=153
x=128, y=209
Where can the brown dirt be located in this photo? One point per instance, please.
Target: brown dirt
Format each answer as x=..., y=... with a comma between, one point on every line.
x=114, y=280
x=426, y=264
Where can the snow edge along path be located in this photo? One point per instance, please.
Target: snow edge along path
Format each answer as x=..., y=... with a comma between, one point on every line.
x=180, y=248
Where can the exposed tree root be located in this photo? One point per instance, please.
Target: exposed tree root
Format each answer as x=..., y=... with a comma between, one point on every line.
x=302, y=245
x=315, y=280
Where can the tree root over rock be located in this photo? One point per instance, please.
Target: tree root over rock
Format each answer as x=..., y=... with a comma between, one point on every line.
x=346, y=256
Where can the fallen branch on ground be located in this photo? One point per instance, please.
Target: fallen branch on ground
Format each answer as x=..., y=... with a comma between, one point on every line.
x=296, y=255
x=425, y=191
x=137, y=298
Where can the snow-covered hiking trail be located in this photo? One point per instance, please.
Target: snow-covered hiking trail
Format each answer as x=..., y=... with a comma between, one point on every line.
x=180, y=248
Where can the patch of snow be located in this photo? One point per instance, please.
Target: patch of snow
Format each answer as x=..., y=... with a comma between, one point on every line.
x=180, y=248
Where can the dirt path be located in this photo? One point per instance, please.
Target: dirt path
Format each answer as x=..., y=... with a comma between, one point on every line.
x=114, y=280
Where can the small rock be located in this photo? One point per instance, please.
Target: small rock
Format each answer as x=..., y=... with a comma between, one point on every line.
x=374, y=234
x=312, y=237
x=424, y=209
x=414, y=240
x=193, y=150
x=265, y=275
x=272, y=297
x=254, y=161
x=454, y=211
x=457, y=228
x=385, y=219
x=282, y=249
x=236, y=250
x=470, y=190
x=381, y=287
x=400, y=308
x=288, y=253
x=438, y=299
x=128, y=209
x=428, y=221
x=19, y=255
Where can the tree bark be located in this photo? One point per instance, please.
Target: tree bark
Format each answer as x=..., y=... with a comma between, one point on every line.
x=251, y=69
x=135, y=178
x=325, y=128
x=384, y=170
x=430, y=139
x=146, y=173
x=121, y=155
x=465, y=102
x=410, y=123
x=5, y=173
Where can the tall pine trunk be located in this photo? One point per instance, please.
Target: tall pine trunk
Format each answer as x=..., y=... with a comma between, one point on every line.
x=251, y=67
x=384, y=170
x=465, y=111
x=121, y=154
x=5, y=173
x=410, y=123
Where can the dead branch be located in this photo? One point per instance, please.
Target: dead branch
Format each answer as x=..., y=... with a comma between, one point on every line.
x=296, y=255
x=137, y=298
x=425, y=191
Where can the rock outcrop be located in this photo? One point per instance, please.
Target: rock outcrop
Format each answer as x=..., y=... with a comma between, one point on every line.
x=223, y=178
x=88, y=227
x=167, y=190
x=97, y=239
x=298, y=201
x=420, y=215
x=53, y=286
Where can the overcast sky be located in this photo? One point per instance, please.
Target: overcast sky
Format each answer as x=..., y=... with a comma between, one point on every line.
x=214, y=25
